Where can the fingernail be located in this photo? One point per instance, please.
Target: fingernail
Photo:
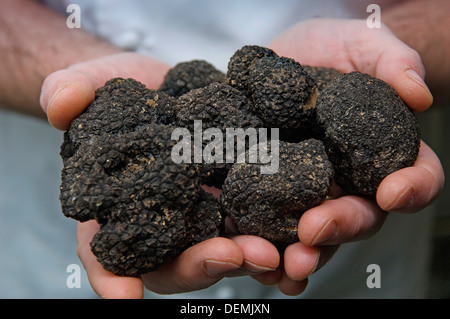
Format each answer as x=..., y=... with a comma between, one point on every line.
x=329, y=231
x=217, y=268
x=257, y=269
x=404, y=200
x=310, y=264
x=58, y=90
x=315, y=266
x=413, y=75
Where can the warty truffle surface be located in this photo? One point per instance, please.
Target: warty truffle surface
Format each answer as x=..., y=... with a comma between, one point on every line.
x=120, y=106
x=129, y=183
x=270, y=205
x=189, y=75
x=283, y=94
x=218, y=106
x=241, y=62
x=369, y=131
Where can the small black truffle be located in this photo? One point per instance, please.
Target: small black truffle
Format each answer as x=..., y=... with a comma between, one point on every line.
x=369, y=131
x=186, y=76
x=270, y=205
x=283, y=94
x=217, y=105
x=241, y=62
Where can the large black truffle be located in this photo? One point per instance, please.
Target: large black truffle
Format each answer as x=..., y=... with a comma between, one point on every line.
x=321, y=75
x=129, y=183
x=118, y=170
x=270, y=205
x=369, y=131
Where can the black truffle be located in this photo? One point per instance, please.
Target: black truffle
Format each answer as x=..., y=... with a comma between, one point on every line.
x=120, y=106
x=321, y=75
x=114, y=171
x=186, y=76
x=241, y=62
x=283, y=94
x=270, y=205
x=129, y=183
x=218, y=106
x=369, y=131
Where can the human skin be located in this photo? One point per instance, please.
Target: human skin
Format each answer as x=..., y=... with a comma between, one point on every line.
x=71, y=77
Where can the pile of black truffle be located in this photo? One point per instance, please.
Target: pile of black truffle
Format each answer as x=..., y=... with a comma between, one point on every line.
x=351, y=129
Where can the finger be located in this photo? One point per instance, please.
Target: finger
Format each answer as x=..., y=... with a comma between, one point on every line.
x=377, y=52
x=380, y=53
x=291, y=287
x=402, y=68
x=105, y=284
x=198, y=267
x=212, y=190
x=66, y=93
x=260, y=255
x=341, y=220
x=300, y=261
x=413, y=188
x=269, y=278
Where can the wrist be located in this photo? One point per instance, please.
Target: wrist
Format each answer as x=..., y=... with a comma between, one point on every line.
x=35, y=41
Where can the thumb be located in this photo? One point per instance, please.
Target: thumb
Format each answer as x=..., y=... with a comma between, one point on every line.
x=66, y=93
x=403, y=70
x=198, y=267
x=388, y=58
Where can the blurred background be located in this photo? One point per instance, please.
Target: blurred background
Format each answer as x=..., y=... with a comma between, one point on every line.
x=436, y=131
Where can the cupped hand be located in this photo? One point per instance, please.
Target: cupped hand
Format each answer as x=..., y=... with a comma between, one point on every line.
x=198, y=267
x=349, y=45
x=344, y=44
